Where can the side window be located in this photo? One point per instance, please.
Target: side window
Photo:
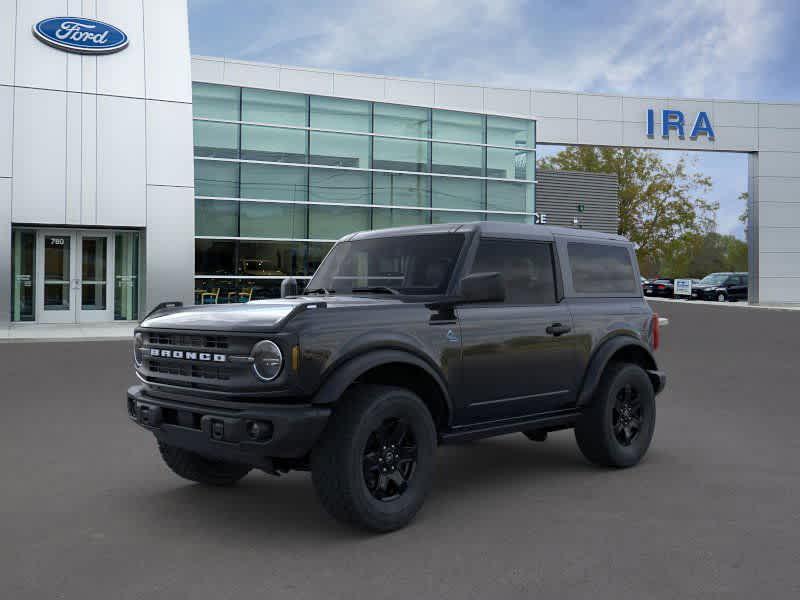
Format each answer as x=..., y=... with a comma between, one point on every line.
x=527, y=268
x=601, y=268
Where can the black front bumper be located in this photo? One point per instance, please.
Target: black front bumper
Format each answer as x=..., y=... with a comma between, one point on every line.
x=225, y=433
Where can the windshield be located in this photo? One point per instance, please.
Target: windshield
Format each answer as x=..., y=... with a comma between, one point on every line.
x=714, y=279
x=408, y=264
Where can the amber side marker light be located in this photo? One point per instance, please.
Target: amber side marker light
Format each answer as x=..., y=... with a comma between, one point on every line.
x=295, y=358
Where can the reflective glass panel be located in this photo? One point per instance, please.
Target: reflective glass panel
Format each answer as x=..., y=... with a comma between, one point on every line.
x=507, y=131
x=93, y=273
x=332, y=222
x=265, y=219
x=398, y=217
x=339, y=150
x=280, y=108
x=126, y=276
x=215, y=101
x=57, y=272
x=23, y=260
x=509, y=196
x=457, y=159
x=214, y=257
x=337, y=185
x=451, y=192
x=273, y=144
x=401, y=190
x=265, y=259
x=216, y=178
x=274, y=182
x=216, y=217
x=509, y=164
x=406, y=121
x=522, y=219
x=457, y=126
x=220, y=140
x=340, y=114
x=441, y=216
x=400, y=155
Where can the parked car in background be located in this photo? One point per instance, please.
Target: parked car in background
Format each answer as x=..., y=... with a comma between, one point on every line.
x=661, y=288
x=722, y=287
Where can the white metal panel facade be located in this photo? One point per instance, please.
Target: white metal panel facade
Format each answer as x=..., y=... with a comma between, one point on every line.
x=74, y=128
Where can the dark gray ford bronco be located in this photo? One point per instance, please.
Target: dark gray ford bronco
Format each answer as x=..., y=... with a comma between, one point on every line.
x=405, y=339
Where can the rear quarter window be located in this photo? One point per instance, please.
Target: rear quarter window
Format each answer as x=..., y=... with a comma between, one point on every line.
x=601, y=269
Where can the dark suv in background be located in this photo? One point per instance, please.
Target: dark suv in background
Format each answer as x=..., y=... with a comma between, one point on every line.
x=722, y=287
x=406, y=339
x=659, y=288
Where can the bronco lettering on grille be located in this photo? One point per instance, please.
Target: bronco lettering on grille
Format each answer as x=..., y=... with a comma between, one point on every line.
x=180, y=354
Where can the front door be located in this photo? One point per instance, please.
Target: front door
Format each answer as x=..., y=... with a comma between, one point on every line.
x=73, y=272
x=518, y=356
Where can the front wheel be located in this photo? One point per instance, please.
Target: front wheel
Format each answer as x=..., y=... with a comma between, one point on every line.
x=721, y=297
x=615, y=430
x=374, y=464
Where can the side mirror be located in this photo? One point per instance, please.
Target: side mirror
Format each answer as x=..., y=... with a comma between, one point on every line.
x=482, y=287
x=289, y=287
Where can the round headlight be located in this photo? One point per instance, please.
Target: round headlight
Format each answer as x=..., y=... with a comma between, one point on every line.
x=138, y=344
x=267, y=360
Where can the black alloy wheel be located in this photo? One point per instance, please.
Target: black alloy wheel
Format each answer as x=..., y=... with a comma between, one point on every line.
x=616, y=428
x=627, y=415
x=374, y=463
x=390, y=459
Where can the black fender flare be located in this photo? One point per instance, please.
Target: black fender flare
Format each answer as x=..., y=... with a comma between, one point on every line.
x=601, y=358
x=347, y=372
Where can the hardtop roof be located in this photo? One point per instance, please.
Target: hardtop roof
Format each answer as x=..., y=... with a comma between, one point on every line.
x=489, y=228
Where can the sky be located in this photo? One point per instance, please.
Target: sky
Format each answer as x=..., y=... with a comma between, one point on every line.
x=732, y=49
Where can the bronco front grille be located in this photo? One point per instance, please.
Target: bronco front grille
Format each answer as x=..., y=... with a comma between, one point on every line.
x=194, y=371
x=210, y=342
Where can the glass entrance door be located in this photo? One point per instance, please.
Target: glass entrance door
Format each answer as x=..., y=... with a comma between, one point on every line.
x=94, y=290
x=74, y=272
x=55, y=274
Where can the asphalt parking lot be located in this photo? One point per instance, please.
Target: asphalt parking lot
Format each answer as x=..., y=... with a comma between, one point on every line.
x=88, y=511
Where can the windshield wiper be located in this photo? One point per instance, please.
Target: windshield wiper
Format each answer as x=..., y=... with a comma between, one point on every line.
x=377, y=289
x=321, y=290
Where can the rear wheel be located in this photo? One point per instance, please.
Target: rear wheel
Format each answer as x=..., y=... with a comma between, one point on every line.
x=615, y=430
x=373, y=465
x=195, y=467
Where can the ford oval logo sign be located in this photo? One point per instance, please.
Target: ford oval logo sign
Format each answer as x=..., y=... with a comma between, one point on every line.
x=76, y=34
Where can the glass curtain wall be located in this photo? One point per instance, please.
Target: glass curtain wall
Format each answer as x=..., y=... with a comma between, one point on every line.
x=280, y=176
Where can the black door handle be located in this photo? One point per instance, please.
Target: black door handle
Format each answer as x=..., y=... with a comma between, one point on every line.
x=557, y=329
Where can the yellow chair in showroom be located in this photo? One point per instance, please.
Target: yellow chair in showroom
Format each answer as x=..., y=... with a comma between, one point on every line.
x=210, y=297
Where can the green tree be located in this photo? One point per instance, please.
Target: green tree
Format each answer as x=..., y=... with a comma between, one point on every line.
x=660, y=202
x=694, y=255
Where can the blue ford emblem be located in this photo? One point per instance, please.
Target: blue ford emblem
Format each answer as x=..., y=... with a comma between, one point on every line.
x=76, y=34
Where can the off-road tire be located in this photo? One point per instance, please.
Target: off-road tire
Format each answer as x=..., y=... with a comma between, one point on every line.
x=337, y=460
x=194, y=467
x=594, y=430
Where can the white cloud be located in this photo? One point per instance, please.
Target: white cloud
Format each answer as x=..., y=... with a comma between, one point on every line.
x=687, y=47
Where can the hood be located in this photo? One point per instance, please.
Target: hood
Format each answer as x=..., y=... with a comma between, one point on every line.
x=258, y=315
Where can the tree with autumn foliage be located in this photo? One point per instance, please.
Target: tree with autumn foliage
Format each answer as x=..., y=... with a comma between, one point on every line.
x=660, y=202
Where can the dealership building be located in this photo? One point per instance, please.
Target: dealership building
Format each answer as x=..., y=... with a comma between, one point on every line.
x=133, y=173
